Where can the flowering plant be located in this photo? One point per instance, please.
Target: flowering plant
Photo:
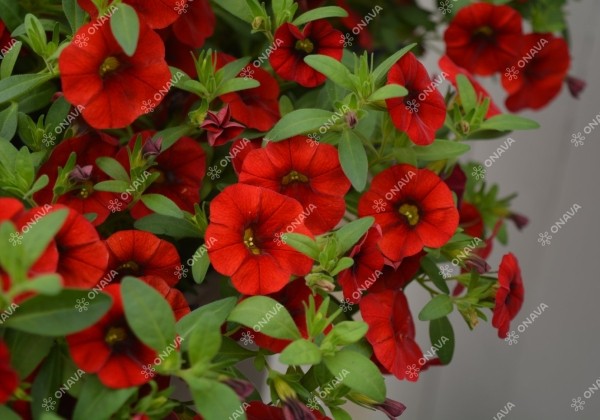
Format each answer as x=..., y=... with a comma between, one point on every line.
x=177, y=200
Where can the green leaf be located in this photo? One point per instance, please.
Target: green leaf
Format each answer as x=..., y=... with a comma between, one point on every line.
x=320, y=13
x=349, y=234
x=10, y=14
x=99, y=402
x=125, y=26
x=439, y=306
x=232, y=69
x=442, y=338
x=10, y=59
x=148, y=314
x=205, y=340
x=266, y=315
x=387, y=92
x=236, y=84
x=353, y=159
x=160, y=204
x=433, y=272
x=302, y=243
x=381, y=71
x=468, y=97
x=214, y=400
x=113, y=168
x=56, y=315
x=348, y=332
x=237, y=8
x=342, y=264
x=219, y=309
x=35, y=346
x=506, y=122
x=441, y=149
x=7, y=414
x=201, y=265
x=170, y=135
x=339, y=414
x=170, y=226
x=301, y=352
x=74, y=14
x=358, y=373
x=297, y=122
x=112, y=186
x=9, y=121
x=332, y=68
x=15, y=86
x=46, y=284
x=41, y=228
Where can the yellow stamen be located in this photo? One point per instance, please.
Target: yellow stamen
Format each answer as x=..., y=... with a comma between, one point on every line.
x=294, y=177
x=305, y=45
x=411, y=213
x=109, y=65
x=249, y=241
x=115, y=335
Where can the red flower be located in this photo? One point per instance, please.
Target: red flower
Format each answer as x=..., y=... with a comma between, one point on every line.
x=471, y=220
x=112, y=88
x=542, y=71
x=220, y=129
x=84, y=199
x=414, y=208
x=154, y=13
x=453, y=70
x=510, y=295
x=484, y=38
x=311, y=175
x=365, y=40
x=258, y=410
x=397, y=278
x=110, y=349
x=240, y=149
x=243, y=221
x=258, y=107
x=367, y=267
x=420, y=113
x=10, y=378
x=317, y=37
x=196, y=23
x=391, y=332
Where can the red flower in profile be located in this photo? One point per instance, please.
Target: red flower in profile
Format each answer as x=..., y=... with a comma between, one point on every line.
x=220, y=129
x=391, y=332
x=396, y=278
x=542, y=72
x=154, y=13
x=420, y=113
x=317, y=37
x=112, y=88
x=452, y=70
x=257, y=410
x=197, y=22
x=110, y=349
x=510, y=294
x=10, y=378
x=311, y=175
x=484, y=38
x=84, y=199
x=367, y=267
x=471, y=220
x=181, y=168
x=243, y=222
x=414, y=208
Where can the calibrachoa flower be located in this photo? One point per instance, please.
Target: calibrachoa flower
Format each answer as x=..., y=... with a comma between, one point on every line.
x=311, y=175
x=196, y=24
x=243, y=220
x=420, y=210
x=317, y=37
x=111, y=85
x=10, y=378
x=220, y=128
x=510, y=294
x=484, y=38
x=110, y=349
x=420, y=113
x=391, y=332
x=154, y=13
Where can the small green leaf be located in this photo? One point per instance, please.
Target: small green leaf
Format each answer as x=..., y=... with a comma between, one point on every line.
x=353, y=159
x=387, y=92
x=332, y=68
x=301, y=352
x=266, y=315
x=205, y=340
x=442, y=338
x=439, y=306
x=111, y=186
x=74, y=14
x=236, y=84
x=37, y=348
x=41, y=228
x=348, y=332
x=320, y=13
x=219, y=309
x=166, y=225
x=7, y=414
x=201, y=265
x=160, y=204
x=113, y=168
x=441, y=149
x=215, y=400
x=302, y=243
x=125, y=26
x=96, y=401
x=468, y=97
x=433, y=272
x=15, y=86
x=506, y=122
x=297, y=122
x=237, y=8
x=382, y=70
x=349, y=234
x=9, y=60
x=9, y=121
x=358, y=373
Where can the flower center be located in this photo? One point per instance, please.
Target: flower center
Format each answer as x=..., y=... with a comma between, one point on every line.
x=484, y=31
x=411, y=212
x=305, y=45
x=86, y=189
x=109, y=65
x=115, y=335
x=294, y=177
x=249, y=241
x=129, y=268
